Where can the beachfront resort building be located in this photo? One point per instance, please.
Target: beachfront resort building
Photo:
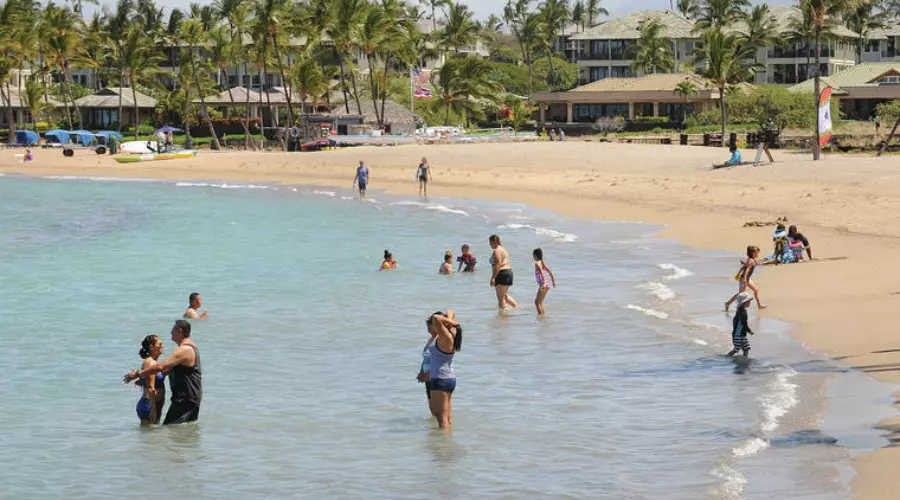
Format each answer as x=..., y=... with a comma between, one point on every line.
x=860, y=89
x=608, y=49
x=630, y=98
x=101, y=109
x=883, y=44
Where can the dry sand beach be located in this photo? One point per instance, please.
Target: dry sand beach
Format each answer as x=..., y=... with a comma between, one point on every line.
x=849, y=207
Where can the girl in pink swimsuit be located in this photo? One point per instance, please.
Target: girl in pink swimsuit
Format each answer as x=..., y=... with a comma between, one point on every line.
x=544, y=277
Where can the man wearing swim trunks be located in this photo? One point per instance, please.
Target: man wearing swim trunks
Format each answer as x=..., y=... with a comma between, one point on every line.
x=185, y=380
x=362, y=178
x=195, y=302
x=423, y=173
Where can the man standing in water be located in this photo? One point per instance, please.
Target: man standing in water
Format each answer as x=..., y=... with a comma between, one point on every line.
x=195, y=302
x=362, y=178
x=423, y=173
x=185, y=381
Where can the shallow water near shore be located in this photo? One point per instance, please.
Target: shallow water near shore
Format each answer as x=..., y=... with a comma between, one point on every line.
x=310, y=355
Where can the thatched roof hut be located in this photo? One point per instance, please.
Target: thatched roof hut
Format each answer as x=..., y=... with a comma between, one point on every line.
x=396, y=116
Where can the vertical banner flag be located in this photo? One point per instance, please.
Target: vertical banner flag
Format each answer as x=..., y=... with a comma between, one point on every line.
x=825, y=116
x=422, y=93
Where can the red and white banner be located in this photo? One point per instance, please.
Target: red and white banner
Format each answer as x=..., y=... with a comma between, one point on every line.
x=825, y=116
x=422, y=93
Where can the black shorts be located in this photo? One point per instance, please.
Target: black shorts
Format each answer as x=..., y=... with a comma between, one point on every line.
x=182, y=412
x=423, y=178
x=362, y=186
x=428, y=389
x=504, y=277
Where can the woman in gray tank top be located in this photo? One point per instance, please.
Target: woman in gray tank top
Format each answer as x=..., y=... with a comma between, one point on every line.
x=447, y=334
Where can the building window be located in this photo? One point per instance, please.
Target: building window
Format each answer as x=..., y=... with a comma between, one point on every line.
x=620, y=72
x=599, y=49
x=590, y=112
x=598, y=73
x=618, y=49
x=643, y=109
x=873, y=46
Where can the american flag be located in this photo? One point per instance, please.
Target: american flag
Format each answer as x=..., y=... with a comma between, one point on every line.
x=422, y=93
x=420, y=77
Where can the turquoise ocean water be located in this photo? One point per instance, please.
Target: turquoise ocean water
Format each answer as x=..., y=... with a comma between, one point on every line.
x=310, y=355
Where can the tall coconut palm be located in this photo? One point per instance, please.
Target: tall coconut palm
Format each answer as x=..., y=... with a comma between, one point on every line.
x=140, y=64
x=373, y=36
x=117, y=24
x=460, y=28
x=9, y=53
x=690, y=9
x=761, y=28
x=686, y=89
x=273, y=14
x=863, y=19
x=33, y=97
x=725, y=57
x=461, y=84
x=64, y=50
x=593, y=9
x=343, y=28
x=434, y=4
x=526, y=26
x=720, y=14
x=223, y=52
x=802, y=28
x=578, y=14
x=822, y=11
x=193, y=36
x=653, y=52
x=554, y=15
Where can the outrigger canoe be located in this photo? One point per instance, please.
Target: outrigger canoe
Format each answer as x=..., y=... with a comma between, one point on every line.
x=178, y=155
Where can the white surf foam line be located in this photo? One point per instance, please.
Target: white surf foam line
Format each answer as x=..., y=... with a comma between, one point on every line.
x=102, y=179
x=347, y=198
x=408, y=204
x=191, y=184
x=648, y=312
x=294, y=189
x=325, y=193
x=558, y=236
x=224, y=185
x=662, y=292
x=733, y=481
x=779, y=398
x=442, y=208
x=677, y=272
x=514, y=226
x=750, y=447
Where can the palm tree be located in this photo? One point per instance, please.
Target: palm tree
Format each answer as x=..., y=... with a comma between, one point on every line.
x=555, y=15
x=270, y=14
x=725, y=57
x=822, y=11
x=593, y=10
x=578, y=14
x=461, y=84
x=802, y=28
x=686, y=89
x=33, y=94
x=526, y=26
x=653, y=52
x=373, y=35
x=863, y=19
x=434, y=4
x=460, y=27
x=139, y=64
x=720, y=14
x=193, y=35
x=762, y=30
x=9, y=50
x=64, y=49
x=116, y=27
x=690, y=9
x=343, y=28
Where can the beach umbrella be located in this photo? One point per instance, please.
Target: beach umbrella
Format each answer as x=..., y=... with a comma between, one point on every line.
x=166, y=129
x=58, y=136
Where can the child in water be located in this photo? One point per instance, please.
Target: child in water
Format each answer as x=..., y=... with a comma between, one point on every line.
x=541, y=273
x=388, y=262
x=447, y=266
x=29, y=156
x=740, y=327
x=744, y=275
x=467, y=259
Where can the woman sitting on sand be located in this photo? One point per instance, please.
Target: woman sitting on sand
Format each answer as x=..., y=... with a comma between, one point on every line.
x=447, y=266
x=153, y=397
x=388, y=262
x=447, y=333
x=734, y=161
x=502, y=278
x=743, y=276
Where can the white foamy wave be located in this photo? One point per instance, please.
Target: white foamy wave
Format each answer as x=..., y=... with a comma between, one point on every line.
x=700, y=342
x=294, y=189
x=557, y=235
x=733, y=482
x=224, y=185
x=442, y=208
x=324, y=193
x=662, y=292
x=648, y=312
x=102, y=179
x=514, y=226
x=677, y=272
x=779, y=398
x=408, y=204
x=750, y=447
x=347, y=198
x=520, y=217
x=191, y=184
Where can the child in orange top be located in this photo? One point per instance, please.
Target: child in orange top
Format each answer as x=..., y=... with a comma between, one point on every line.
x=388, y=262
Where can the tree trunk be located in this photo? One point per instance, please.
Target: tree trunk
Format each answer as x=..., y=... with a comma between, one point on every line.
x=273, y=115
x=262, y=122
x=816, y=147
x=724, y=114
x=137, y=111
x=287, y=88
x=447, y=116
x=68, y=78
x=212, y=131
x=243, y=122
x=343, y=81
x=355, y=92
x=378, y=118
x=552, y=76
x=119, y=116
x=9, y=113
x=889, y=137
x=387, y=60
x=188, y=140
x=433, y=17
x=247, y=109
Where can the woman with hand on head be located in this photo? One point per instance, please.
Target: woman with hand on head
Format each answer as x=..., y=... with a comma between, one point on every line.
x=447, y=334
x=153, y=398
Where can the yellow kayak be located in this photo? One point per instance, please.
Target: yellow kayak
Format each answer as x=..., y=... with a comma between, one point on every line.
x=156, y=156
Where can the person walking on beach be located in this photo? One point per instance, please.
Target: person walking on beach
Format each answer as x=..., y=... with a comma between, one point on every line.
x=502, y=276
x=467, y=260
x=423, y=173
x=153, y=389
x=362, y=178
x=447, y=266
x=447, y=334
x=185, y=379
x=544, y=277
x=740, y=327
x=195, y=302
x=744, y=275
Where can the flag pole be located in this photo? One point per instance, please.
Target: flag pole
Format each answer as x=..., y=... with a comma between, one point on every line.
x=412, y=92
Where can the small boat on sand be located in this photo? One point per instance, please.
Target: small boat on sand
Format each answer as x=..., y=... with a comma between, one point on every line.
x=175, y=155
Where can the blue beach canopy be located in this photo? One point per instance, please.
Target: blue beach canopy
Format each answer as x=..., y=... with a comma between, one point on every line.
x=110, y=133
x=82, y=137
x=166, y=129
x=59, y=136
x=27, y=137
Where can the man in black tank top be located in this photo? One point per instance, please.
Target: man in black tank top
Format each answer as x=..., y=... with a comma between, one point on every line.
x=185, y=381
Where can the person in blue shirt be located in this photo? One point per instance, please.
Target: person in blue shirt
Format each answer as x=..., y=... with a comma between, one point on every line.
x=362, y=178
x=734, y=161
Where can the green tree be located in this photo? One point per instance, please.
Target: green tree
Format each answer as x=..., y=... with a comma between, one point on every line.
x=889, y=111
x=724, y=58
x=720, y=14
x=863, y=18
x=194, y=36
x=140, y=65
x=345, y=22
x=802, y=28
x=460, y=28
x=434, y=4
x=526, y=26
x=593, y=9
x=461, y=85
x=269, y=14
x=554, y=16
x=64, y=50
x=686, y=89
x=690, y=9
x=653, y=52
x=761, y=28
x=519, y=113
x=578, y=14
x=822, y=11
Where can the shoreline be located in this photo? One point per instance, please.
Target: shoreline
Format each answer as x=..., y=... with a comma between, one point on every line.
x=839, y=303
